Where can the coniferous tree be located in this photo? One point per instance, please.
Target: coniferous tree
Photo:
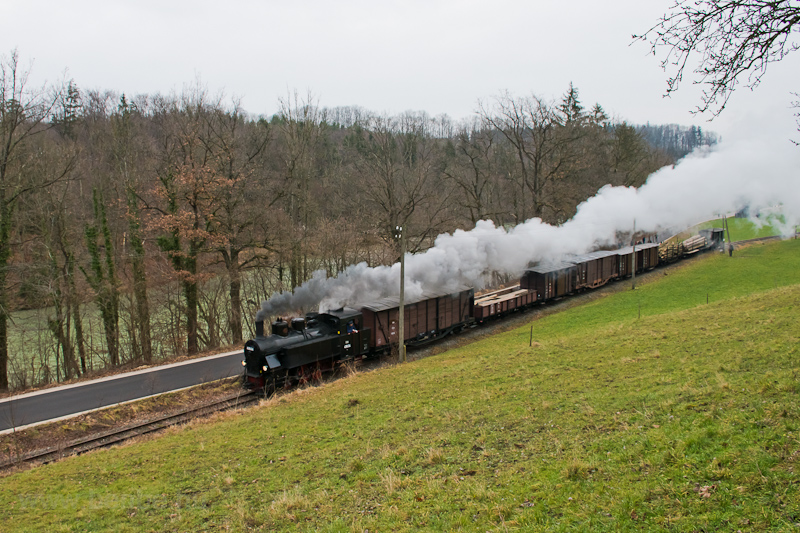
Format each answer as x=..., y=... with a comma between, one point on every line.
x=598, y=115
x=69, y=113
x=571, y=107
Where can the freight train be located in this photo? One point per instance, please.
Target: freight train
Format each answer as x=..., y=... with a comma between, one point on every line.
x=300, y=350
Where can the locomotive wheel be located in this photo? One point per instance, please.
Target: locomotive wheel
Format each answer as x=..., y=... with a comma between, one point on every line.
x=270, y=387
x=287, y=381
x=302, y=377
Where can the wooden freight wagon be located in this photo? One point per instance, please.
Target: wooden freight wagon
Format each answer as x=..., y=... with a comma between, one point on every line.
x=595, y=269
x=486, y=304
x=608, y=263
x=646, y=258
x=625, y=261
x=520, y=298
x=426, y=318
x=669, y=251
x=548, y=281
x=692, y=245
x=502, y=302
x=585, y=270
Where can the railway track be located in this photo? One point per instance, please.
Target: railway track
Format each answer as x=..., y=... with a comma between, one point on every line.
x=118, y=435
x=758, y=239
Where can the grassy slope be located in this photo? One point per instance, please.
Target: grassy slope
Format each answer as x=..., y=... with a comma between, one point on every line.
x=687, y=418
x=742, y=229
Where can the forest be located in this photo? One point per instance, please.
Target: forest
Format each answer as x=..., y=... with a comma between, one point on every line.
x=135, y=229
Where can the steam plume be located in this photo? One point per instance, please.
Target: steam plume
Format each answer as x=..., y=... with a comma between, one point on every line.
x=705, y=184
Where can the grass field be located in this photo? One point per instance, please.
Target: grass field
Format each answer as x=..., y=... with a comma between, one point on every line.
x=742, y=229
x=644, y=410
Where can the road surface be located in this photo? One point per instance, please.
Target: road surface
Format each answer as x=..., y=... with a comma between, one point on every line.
x=70, y=400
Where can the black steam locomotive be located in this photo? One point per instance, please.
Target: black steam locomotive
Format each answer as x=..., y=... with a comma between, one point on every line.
x=302, y=349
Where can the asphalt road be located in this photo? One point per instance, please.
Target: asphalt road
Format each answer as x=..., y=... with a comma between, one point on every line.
x=70, y=400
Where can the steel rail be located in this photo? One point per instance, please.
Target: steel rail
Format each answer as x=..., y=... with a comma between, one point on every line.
x=115, y=436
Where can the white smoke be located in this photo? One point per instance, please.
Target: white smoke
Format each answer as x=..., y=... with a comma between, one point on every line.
x=709, y=182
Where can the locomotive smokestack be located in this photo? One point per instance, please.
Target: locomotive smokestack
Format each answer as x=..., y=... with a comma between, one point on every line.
x=259, y=328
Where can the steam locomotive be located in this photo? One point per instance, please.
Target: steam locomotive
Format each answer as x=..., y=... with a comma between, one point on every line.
x=300, y=350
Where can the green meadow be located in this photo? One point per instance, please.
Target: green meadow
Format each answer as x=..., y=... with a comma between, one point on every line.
x=672, y=407
x=742, y=229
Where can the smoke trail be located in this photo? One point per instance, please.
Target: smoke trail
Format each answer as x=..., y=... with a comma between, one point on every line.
x=709, y=182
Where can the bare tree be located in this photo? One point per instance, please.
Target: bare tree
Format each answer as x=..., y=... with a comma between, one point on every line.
x=186, y=184
x=396, y=167
x=299, y=124
x=531, y=126
x=237, y=148
x=729, y=40
x=126, y=159
x=45, y=261
x=23, y=115
x=102, y=275
x=63, y=294
x=471, y=168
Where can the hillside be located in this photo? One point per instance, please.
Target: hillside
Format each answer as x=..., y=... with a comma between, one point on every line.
x=647, y=409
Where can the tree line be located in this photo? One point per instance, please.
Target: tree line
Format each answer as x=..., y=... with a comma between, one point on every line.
x=145, y=228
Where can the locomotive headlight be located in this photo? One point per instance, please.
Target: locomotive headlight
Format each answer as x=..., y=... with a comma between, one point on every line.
x=244, y=363
x=264, y=368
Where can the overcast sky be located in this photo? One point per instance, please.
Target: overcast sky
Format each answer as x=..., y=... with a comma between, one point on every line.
x=438, y=56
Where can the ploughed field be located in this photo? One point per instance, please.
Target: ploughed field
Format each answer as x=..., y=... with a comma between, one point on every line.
x=675, y=406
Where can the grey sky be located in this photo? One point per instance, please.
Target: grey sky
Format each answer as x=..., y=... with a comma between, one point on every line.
x=440, y=56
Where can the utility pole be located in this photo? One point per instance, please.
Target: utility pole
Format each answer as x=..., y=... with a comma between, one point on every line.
x=402, y=326
x=633, y=258
x=728, y=231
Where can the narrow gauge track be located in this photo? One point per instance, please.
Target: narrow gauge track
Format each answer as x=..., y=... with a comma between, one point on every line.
x=759, y=239
x=118, y=435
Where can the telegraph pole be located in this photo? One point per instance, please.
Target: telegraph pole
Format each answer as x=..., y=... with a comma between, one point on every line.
x=727, y=229
x=401, y=326
x=633, y=259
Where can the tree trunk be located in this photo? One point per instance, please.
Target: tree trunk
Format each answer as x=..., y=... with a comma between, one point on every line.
x=104, y=283
x=3, y=332
x=236, y=297
x=5, y=254
x=79, y=339
x=141, y=306
x=190, y=293
x=190, y=290
x=80, y=343
x=142, y=309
